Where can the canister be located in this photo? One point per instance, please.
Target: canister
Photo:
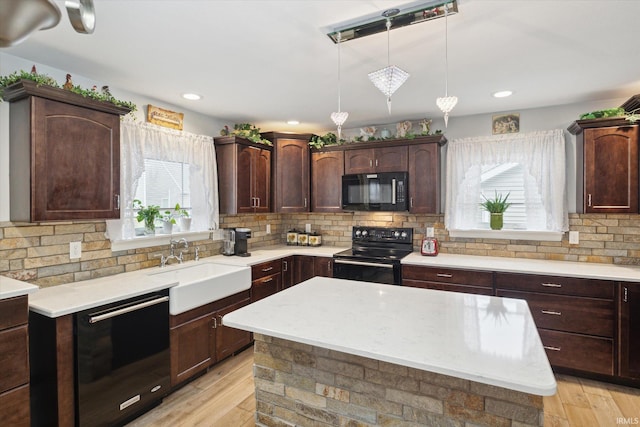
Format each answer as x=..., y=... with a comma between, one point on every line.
x=292, y=237
x=315, y=239
x=303, y=238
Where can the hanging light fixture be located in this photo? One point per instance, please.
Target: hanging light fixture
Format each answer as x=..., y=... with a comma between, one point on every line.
x=446, y=103
x=390, y=78
x=341, y=116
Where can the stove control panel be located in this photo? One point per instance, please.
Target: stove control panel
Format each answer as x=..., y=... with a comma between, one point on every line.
x=382, y=234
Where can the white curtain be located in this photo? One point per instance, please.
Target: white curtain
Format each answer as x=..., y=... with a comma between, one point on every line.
x=541, y=154
x=140, y=141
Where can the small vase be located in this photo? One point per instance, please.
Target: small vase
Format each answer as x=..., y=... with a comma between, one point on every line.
x=185, y=224
x=496, y=221
x=149, y=229
x=167, y=227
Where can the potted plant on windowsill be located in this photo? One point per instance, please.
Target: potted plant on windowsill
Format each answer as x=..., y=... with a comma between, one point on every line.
x=496, y=208
x=148, y=215
x=183, y=218
x=167, y=222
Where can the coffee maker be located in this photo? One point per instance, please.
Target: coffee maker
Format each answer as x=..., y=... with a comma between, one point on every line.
x=235, y=241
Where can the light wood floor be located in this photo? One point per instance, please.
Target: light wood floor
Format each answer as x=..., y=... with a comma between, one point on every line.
x=224, y=398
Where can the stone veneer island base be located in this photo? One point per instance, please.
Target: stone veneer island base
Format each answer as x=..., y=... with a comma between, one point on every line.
x=332, y=352
x=302, y=385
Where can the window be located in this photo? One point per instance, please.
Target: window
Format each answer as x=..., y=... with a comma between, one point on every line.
x=163, y=167
x=529, y=167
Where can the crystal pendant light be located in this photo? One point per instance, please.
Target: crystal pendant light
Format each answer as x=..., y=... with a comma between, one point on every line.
x=390, y=78
x=341, y=116
x=447, y=103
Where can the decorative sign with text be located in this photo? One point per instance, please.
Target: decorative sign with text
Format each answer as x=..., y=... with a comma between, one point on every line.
x=166, y=118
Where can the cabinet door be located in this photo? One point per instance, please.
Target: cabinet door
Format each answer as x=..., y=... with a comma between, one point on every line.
x=288, y=272
x=262, y=180
x=424, y=178
x=305, y=268
x=292, y=175
x=14, y=407
x=358, y=161
x=13, y=358
x=326, y=178
x=192, y=347
x=323, y=266
x=245, y=178
x=390, y=159
x=611, y=169
x=229, y=340
x=63, y=186
x=629, y=328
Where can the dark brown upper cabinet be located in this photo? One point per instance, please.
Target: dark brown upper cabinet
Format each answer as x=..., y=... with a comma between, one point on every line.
x=371, y=160
x=606, y=166
x=244, y=175
x=65, y=155
x=290, y=171
x=327, y=168
x=424, y=178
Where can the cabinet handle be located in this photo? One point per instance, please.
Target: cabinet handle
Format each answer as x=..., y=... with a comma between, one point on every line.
x=551, y=285
x=285, y=266
x=267, y=280
x=554, y=313
x=625, y=298
x=329, y=265
x=370, y=162
x=215, y=322
x=376, y=162
x=264, y=270
x=305, y=202
x=548, y=347
x=117, y=202
x=448, y=276
x=253, y=202
x=589, y=200
x=411, y=201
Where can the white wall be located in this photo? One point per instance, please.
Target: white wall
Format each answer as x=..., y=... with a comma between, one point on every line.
x=553, y=117
x=193, y=122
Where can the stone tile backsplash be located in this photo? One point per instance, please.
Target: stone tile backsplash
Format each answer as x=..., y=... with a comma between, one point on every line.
x=39, y=254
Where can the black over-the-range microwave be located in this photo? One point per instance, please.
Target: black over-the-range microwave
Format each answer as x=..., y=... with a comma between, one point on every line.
x=385, y=191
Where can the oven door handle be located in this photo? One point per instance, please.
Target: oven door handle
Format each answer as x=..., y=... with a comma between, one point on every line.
x=366, y=264
x=114, y=313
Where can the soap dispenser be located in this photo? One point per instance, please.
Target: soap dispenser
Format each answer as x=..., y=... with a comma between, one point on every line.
x=429, y=245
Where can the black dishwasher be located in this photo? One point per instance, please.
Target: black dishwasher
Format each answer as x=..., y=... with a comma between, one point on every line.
x=122, y=363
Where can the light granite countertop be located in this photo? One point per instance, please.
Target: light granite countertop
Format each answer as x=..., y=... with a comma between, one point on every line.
x=529, y=266
x=10, y=288
x=490, y=340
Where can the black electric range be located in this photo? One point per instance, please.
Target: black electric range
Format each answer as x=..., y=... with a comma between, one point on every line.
x=375, y=255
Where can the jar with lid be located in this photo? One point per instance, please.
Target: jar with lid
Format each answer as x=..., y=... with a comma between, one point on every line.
x=315, y=239
x=292, y=237
x=303, y=238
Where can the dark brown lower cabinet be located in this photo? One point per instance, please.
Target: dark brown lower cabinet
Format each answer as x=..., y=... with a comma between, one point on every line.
x=199, y=339
x=288, y=272
x=14, y=407
x=323, y=266
x=629, y=329
x=304, y=268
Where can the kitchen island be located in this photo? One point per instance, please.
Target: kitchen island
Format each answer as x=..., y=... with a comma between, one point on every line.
x=338, y=352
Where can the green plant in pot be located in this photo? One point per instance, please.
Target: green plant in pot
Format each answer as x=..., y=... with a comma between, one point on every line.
x=496, y=208
x=183, y=218
x=167, y=222
x=148, y=215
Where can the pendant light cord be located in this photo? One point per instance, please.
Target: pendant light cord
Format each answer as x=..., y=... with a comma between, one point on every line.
x=388, y=42
x=446, y=51
x=339, y=43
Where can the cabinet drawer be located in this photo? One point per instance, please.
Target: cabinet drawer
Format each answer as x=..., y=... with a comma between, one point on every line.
x=479, y=290
x=14, y=358
x=265, y=286
x=570, y=314
x=13, y=312
x=567, y=350
x=14, y=407
x=266, y=269
x=448, y=275
x=556, y=285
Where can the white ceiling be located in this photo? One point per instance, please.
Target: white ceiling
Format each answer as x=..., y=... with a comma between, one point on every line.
x=265, y=62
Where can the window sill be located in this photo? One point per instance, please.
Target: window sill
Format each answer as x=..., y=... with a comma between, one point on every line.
x=157, y=240
x=541, y=236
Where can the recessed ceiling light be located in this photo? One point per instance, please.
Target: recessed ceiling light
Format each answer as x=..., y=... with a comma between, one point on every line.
x=293, y=122
x=502, y=94
x=191, y=96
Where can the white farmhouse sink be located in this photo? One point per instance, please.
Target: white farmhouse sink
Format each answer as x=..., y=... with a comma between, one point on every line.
x=202, y=283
